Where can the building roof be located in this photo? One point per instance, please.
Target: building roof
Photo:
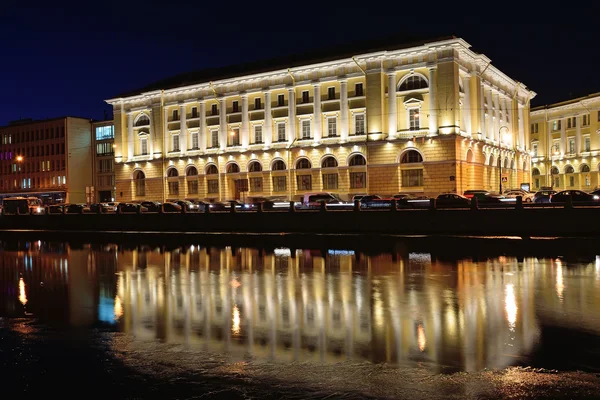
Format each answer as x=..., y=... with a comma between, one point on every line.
x=591, y=96
x=29, y=121
x=295, y=60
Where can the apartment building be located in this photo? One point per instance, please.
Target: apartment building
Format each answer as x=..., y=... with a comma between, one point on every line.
x=103, y=145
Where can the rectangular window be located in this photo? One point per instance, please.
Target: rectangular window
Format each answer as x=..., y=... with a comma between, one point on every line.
x=412, y=177
x=234, y=137
x=175, y=115
x=534, y=127
x=571, y=145
x=194, y=112
x=256, y=184
x=331, y=93
x=358, y=180
x=304, y=182
x=306, y=129
x=358, y=89
x=332, y=127
x=195, y=141
x=556, y=125
x=279, y=184
x=585, y=120
x=257, y=103
x=104, y=132
x=571, y=181
x=174, y=188
x=305, y=96
x=568, y=123
x=214, y=138
x=359, y=124
x=258, y=134
x=280, y=100
x=534, y=149
x=144, y=145
x=192, y=186
x=235, y=106
x=587, y=180
x=175, y=143
x=413, y=115
x=330, y=181
x=102, y=149
x=281, y=132
x=214, y=110
x=587, y=143
x=212, y=186
x=556, y=148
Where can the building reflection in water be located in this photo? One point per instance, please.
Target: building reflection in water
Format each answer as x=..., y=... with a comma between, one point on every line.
x=307, y=305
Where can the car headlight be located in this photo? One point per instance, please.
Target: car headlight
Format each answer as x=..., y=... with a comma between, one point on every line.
x=596, y=197
x=40, y=209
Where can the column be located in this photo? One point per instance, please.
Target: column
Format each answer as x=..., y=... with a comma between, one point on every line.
x=392, y=110
x=490, y=120
x=151, y=137
x=222, y=124
x=433, y=105
x=130, y=141
x=166, y=134
x=521, y=139
x=344, y=110
x=563, y=137
x=578, y=145
x=268, y=130
x=292, y=114
x=467, y=105
x=482, y=121
x=183, y=136
x=496, y=99
x=317, y=119
x=202, y=139
x=245, y=134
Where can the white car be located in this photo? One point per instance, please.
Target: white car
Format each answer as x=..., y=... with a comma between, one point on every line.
x=527, y=197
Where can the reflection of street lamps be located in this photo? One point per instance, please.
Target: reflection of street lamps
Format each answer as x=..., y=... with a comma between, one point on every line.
x=500, y=138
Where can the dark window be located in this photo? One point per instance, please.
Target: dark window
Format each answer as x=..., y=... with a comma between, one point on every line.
x=212, y=170
x=214, y=110
x=280, y=100
x=254, y=166
x=331, y=93
x=233, y=168
x=411, y=156
x=413, y=82
x=329, y=162
x=194, y=112
x=278, y=165
x=305, y=97
x=303, y=163
x=257, y=103
x=357, y=160
x=235, y=106
x=358, y=89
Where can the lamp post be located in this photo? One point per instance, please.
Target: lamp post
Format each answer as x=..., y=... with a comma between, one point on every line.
x=500, y=162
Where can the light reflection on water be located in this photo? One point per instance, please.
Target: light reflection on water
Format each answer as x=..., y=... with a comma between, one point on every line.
x=307, y=305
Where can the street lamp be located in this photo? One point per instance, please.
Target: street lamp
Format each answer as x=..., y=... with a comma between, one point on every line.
x=19, y=158
x=500, y=162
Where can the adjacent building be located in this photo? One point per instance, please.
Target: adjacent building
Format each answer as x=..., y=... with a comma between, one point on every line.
x=103, y=138
x=565, y=145
x=424, y=118
x=49, y=159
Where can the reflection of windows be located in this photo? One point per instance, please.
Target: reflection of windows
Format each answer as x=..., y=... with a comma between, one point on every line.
x=412, y=177
x=412, y=83
x=212, y=185
x=304, y=182
x=587, y=180
x=571, y=122
x=555, y=147
x=358, y=180
x=256, y=184
x=279, y=184
x=330, y=181
x=105, y=166
x=585, y=119
x=234, y=137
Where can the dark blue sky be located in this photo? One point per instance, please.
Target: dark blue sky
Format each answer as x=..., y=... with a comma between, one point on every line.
x=66, y=58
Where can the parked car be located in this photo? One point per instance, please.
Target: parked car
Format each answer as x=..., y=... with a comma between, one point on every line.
x=157, y=206
x=578, y=196
x=56, y=208
x=470, y=193
x=452, y=200
x=189, y=206
x=404, y=196
x=226, y=205
x=543, y=196
x=105, y=207
x=526, y=196
x=488, y=197
x=132, y=208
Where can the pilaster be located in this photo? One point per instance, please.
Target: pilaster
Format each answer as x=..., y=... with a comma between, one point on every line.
x=344, y=110
x=392, y=107
x=433, y=103
x=317, y=120
x=245, y=134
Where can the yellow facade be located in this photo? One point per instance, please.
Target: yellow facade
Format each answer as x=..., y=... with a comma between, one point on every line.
x=565, y=144
x=428, y=119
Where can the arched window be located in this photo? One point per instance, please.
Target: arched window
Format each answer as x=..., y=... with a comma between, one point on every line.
x=233, y=168
x=172, y=173
x=554, y=170
x=254, y=166
x=329, y=162
x=413, y=82
x=140, y=183
x=191, y=171
x=212, y=170
x=278, y=165
x=143, y=120
x=584, y=168
x=356, y=160
x=303, y=163
x=535, y=172
x=569, y=169
x=411, y=156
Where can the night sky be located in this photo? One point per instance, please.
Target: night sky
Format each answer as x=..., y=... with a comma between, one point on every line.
x=66, y=58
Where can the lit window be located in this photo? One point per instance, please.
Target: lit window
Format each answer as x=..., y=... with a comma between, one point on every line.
x=330, y=181
x=359, y=124
x=214, y=137
x=281, y=132
x=413, y=114
x=176, y=143
x=332, y=127
x=144, y=145
x=306, y=129
x=258, y=134
x=304, y=182
x=279, y=184
x=586, y=143
x=412, y=177
x=195, y=140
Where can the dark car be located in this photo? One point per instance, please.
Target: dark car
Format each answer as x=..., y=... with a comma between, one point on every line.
x=452, y=200
x=132, y=208
x=470, y=193
x=189, y=206
x=104, y=207
x=488, y=197
x=76, y=208
x=543, y=196
x=578, y=196
x=56, y=208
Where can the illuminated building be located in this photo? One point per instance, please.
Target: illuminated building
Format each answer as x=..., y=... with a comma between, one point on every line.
x=50, y=159
x=565, y=145
x=103, y=142
x=425, y=118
